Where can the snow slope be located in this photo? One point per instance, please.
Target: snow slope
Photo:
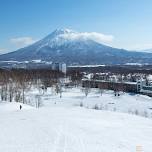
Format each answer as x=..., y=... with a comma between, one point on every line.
x=61, y=126
x=126, y=103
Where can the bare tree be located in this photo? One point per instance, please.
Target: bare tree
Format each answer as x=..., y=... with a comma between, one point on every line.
x=11, y=90
x=38, y=101
x=86, y=89
x=58, y=89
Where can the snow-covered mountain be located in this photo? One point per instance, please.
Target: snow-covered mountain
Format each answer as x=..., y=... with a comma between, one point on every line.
x=64, y=45
x=147, y=50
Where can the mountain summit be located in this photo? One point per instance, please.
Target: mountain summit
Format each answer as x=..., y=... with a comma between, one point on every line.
x=71, y=47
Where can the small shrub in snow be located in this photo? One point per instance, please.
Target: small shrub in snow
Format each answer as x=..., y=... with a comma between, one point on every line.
x=87, y=107
x=101, y=107
x=114, y=109
x=96, y=107
x=136, y=112
x=130, y=111
x=81, y=104
x=86, y=91
x=106, y=107
x=145, y=114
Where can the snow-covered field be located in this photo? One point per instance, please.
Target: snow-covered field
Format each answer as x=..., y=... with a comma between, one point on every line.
x=61, y=125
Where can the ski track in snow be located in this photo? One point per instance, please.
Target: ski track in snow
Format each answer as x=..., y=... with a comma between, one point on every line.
x=65, y=140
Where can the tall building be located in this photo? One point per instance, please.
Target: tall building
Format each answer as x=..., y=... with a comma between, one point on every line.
x=62, y=67
x=55, y=66
x=59, y=67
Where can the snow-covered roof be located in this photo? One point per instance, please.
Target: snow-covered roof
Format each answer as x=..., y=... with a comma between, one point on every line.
x=124, y=82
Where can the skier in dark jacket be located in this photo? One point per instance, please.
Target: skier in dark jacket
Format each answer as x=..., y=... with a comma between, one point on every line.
x=20, y=107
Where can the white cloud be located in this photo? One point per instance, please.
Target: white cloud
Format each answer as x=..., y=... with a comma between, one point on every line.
x=22, y=41
x=98, y=37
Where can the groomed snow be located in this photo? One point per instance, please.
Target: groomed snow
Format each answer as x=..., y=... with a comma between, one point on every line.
x=61, y=125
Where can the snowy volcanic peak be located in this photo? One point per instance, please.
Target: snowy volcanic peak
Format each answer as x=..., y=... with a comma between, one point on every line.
x=63, y=36
x=63, y=31
x=57, y=38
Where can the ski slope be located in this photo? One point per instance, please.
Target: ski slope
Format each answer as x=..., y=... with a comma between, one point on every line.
x=60, y=125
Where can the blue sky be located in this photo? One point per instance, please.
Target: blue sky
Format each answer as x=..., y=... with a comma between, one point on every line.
x=25, y=21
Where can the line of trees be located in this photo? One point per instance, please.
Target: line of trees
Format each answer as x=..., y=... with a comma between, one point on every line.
x=15, y=82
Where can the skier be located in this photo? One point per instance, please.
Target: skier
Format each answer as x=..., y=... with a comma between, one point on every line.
x=20, y=107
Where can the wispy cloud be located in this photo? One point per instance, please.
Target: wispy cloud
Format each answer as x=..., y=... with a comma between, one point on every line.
x=98, y=37
x=22, y=41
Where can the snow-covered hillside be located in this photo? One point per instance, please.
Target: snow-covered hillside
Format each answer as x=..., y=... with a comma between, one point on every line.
x=126, y=103
x=61, y=125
